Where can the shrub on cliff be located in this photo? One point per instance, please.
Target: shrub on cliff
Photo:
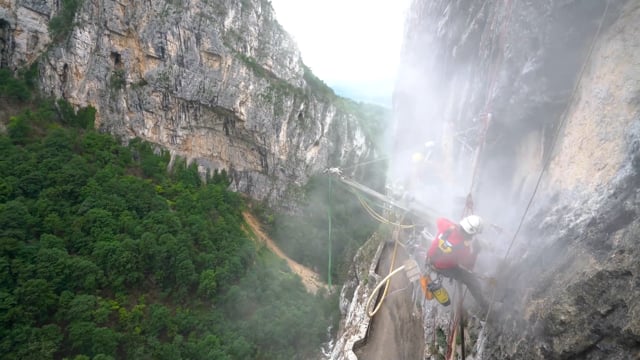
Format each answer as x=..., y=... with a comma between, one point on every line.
x=60, y=26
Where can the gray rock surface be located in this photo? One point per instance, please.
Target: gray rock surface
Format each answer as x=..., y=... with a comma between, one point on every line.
x=583, y=276
x=24, y=31
x=569, y=287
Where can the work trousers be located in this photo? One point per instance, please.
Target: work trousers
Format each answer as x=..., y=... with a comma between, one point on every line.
x=470, y=280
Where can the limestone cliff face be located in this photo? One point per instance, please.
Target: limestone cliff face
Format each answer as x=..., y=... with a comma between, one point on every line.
x=582, y=273
x=569, y=287
x=218, y=82
x=24, y=31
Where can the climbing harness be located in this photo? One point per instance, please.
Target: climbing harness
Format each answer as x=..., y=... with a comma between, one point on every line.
x=438, y=291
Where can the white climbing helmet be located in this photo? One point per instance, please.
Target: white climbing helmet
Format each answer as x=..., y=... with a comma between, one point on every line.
x=472, y=224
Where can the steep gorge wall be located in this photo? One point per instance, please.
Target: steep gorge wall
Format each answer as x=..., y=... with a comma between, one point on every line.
x=516, y=60
x=569, y=285
x=218, y=82
x=579, y=257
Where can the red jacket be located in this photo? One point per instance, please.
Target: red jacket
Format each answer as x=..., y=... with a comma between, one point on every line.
x=449, y=249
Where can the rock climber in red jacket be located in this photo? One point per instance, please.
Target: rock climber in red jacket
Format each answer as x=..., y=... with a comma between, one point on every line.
x=453, y=253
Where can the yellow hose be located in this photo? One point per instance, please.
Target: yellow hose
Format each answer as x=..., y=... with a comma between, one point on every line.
x=370, y=211
x=377, y=216
x=377, y=288
x=386, y=280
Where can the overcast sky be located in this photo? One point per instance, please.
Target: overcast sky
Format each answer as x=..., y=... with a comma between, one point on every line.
x=354, y=43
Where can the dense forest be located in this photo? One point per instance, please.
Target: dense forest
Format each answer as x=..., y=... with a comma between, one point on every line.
x=106, y=254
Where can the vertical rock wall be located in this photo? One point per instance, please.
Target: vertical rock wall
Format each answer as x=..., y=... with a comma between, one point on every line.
x=516, y=60
x=578, y=259
x=24, y=32
x=218, y=82
x=569, y=285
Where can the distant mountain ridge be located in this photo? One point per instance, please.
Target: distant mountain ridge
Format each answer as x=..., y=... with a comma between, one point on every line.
x=377, y=94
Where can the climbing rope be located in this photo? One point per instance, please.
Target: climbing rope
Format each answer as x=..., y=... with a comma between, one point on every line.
x=486, y=114
x=468, y=209
x=469, y=203
x=366, y=163
x=456, y=325
x=563, y=119
x=330, y=240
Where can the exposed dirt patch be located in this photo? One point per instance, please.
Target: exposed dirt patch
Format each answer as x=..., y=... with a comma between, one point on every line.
x=310, y=279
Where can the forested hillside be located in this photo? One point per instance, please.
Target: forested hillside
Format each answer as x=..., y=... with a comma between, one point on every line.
x=105, y=254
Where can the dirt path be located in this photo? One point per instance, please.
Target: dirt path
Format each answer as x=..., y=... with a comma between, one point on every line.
x=310, y=279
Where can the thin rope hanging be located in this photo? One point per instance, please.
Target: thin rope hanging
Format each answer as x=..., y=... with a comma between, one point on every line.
x=330, y=240
x=563, y=120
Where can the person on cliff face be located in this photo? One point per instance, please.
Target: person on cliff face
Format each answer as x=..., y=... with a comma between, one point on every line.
x=453, y=253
